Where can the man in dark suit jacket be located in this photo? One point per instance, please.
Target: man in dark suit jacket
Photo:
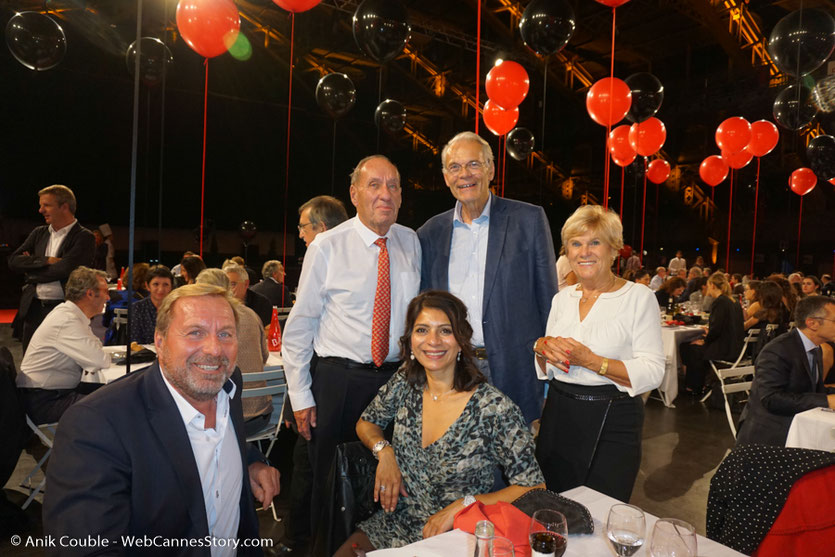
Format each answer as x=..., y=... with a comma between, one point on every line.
x=788, y=376
x=156, y=453
x=272, y=285
x=497, y=255
x=49, y=255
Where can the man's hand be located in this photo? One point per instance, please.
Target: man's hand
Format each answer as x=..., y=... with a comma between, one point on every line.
x=305, y=419
x=265, y=482
x=53, y=260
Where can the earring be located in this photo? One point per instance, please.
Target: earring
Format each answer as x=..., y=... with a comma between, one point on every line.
x=411, y=355
x=459, y=355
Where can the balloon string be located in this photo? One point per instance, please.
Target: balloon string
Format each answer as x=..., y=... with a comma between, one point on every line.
x=477, y=66
x=544, y=95
x=203, y=178
x=644, y=210
x=799, y=222
x=607, y=163
x=754, y=233
x=161, y=141
x=287, y=147
x=622, y=175
x=504, y=160
x=730, y=212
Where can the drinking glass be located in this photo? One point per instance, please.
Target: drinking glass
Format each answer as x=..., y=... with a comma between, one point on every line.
x=626, y=528
x=672, y=538
x=548, y=533
x=501, y=547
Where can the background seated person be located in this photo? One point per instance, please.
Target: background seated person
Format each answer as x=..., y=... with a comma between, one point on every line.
x=190, y=267
x=766, y=307
x=143, y=314
x=642, y=277
x=239, y=286
x=669, y=292
x=451, y=429
x=789, y=375
x=62, y=347
x=272, y=285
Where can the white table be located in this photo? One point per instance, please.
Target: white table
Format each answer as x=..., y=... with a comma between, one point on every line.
x=114, y=372
x=813, y=429
x=458, y=543
x=672, y=337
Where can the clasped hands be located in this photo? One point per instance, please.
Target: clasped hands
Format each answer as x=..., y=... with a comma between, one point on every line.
x=564, y=352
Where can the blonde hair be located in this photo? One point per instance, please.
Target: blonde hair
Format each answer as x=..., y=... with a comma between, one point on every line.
x=165, y=313
x=596, y=220
x=719, y=280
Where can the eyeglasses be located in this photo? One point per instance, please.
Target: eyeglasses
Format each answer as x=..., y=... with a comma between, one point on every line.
x=455, y=169
x=301, y=226
x=824, y=319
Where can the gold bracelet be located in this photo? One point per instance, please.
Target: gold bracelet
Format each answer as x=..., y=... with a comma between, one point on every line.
x=604, y=367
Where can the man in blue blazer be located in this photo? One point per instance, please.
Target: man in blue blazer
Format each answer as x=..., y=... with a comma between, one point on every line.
x=497, y=256
x=160, y=455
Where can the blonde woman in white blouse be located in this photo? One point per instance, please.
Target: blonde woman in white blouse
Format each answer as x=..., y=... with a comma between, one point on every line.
x=601, y=350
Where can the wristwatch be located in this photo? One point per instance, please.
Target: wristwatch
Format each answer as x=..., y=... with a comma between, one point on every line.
x=379, y=446
x=468, y=500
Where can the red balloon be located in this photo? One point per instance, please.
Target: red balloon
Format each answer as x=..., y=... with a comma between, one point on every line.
x=764, y=138
x=713, y=170
x=619, y=143
x=648, y=136
x=612, y=3
x=832, y=181
x=498, y=120
x=737, y=160
x=624, y=161
x=658, y=171
x=733, y=135
x=297, y=6
x=802, y=181
x=209, y=27
x=601, y=108
x=507, y=84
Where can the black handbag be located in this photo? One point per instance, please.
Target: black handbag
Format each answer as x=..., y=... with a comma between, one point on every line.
x=576, y=514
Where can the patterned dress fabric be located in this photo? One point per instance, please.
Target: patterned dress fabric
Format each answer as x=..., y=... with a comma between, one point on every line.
x=489, y=432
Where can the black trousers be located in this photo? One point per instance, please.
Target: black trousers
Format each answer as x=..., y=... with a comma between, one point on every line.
x=38, y=310
x=596, y=443
x=46, y=406
x=342, y=394
x=693, y=357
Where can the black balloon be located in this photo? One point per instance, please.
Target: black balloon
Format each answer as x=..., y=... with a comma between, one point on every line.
x=547, y=26
x=390, y=115
x=247, y=230
x=802, y=41
x=36, y=40
x=381, y=29
x=336, y=94
x=821, y=155
x=520, y=142
x=647, y=96
x=793, y=107
x=152, y=58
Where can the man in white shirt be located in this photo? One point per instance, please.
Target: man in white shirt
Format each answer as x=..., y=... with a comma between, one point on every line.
x=161, y=454
x=340, y=344
x=677, y=264
x=658, y=279
x=62, y=348
x=48, y=256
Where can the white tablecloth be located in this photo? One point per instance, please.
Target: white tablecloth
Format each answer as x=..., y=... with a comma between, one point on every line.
x=672, y=337
x=813, y=429
x=457, y=543
x=115, y=371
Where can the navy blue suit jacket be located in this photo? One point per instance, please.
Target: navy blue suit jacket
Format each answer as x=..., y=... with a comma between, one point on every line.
x=520, y=280
x=122, y=464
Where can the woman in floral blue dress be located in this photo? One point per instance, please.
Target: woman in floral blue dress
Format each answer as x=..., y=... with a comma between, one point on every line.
x=451, y=430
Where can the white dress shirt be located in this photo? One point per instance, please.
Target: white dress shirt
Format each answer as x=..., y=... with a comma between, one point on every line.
x=335, y=300
x=467, y=261
x=676, y=264
x=53, y=290
x=62, y=346
x=218, y=459
x=621, y=325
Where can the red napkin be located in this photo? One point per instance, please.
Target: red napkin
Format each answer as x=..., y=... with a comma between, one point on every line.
x=509, y=522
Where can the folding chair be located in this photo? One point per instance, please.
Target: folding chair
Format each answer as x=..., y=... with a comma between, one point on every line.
x=276, y=387
x=46, y=433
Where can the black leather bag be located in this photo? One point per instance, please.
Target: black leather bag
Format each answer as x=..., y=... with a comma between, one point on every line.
x=576, y=514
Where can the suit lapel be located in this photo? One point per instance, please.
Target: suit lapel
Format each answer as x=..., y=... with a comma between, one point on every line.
x=167, y=423
x=495, y=246
x=43, y=239
x=441, y=265
x=69, y=239
x=801, y=355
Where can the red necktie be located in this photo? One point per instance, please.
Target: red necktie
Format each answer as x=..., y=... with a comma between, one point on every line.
x=382, y=307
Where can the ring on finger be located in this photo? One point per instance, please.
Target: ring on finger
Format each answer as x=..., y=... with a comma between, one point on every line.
x=382, y=488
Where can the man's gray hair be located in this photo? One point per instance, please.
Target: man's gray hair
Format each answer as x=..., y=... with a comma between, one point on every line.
x=811, y=307
x=270, y=268
x=230, y=266
x=62, y=194
x=326, y=210
x=486, y=150
x=355, y=174
x=80, y=281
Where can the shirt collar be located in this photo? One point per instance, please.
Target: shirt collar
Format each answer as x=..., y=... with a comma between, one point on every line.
x=64, y=229
x=482, y=218
x=367, y=235
x=187, y=411
x=77, y=310
x=807, y=343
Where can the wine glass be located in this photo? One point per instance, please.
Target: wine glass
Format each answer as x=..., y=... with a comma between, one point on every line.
x=548, y=533
x=501, y=547
x=672, y=538
x=625, y=528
